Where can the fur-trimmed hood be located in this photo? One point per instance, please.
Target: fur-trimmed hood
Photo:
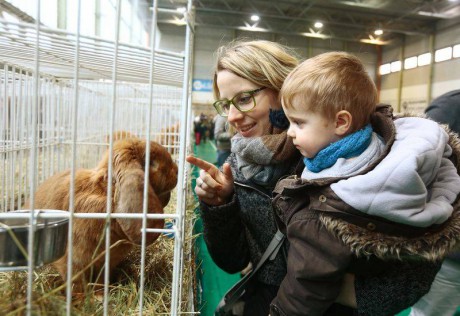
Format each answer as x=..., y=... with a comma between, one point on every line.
x=413, y=188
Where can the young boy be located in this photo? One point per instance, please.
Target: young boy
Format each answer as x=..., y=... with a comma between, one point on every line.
x=373, y=188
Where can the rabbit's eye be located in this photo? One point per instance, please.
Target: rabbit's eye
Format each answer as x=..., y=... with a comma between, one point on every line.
x=154, y=164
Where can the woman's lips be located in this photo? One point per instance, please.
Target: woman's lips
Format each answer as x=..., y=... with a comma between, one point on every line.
x=245, y=130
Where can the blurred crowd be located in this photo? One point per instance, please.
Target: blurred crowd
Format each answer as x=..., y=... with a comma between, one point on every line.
x=214, y=128
x=203, y=127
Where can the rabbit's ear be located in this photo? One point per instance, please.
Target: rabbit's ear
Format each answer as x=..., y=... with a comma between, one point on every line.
x=128, y=154
x=129, y=187
x=129, y=199
x=128, y=178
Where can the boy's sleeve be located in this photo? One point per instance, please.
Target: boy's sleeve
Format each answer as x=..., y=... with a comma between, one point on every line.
x=316, y=264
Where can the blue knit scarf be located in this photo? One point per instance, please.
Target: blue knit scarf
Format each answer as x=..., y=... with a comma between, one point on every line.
x=350, y=146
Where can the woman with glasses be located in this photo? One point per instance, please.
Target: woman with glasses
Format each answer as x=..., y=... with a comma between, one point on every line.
x=235, y=202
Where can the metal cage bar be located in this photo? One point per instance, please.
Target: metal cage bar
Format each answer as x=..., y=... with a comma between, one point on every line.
x=63, y=96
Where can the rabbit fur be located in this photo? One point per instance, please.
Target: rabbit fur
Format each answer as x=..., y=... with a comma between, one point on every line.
x=91, y=197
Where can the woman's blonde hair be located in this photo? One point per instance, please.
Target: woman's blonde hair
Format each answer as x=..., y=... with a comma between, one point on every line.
x=264, y=63
x=329, y=83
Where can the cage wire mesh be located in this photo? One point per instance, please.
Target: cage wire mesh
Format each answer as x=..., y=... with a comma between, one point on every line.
x=38, y=138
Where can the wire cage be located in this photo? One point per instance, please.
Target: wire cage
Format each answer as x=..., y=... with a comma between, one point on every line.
x=65, y=101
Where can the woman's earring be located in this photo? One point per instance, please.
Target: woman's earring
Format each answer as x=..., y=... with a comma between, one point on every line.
x=278, y=119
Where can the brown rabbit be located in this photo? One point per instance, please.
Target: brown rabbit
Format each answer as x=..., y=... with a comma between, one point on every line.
x=91, y=197
x=169, y=135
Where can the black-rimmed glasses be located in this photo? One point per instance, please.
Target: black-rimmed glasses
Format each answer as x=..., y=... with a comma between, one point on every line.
x=243, y=101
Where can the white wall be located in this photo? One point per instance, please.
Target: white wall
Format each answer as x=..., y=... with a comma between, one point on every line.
x=207, y=40
x=415, y=92
x=419, y=86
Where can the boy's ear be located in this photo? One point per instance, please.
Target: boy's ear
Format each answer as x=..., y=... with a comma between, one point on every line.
x=343, y=121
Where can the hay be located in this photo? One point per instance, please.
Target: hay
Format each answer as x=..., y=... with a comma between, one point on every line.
x=123, y=293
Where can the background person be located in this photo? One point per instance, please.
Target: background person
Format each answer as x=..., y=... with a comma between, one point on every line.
x=444, y=295
x=222, y=137
x=197, y=129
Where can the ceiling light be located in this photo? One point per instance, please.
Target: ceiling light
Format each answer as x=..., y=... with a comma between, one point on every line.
x=252, y=28
x=178, y=21
x=255, y=18
x=374, y=41
x=443, y=15
x=181, y=9
x=316, y=35
x=378, y=32
x=318, y=25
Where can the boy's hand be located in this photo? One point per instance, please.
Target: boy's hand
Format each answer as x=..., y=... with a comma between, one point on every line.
x=213, y=187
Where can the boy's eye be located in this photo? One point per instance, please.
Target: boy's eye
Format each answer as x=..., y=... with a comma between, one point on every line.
x=301, y=123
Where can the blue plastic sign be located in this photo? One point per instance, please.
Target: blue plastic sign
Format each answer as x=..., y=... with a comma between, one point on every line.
x=202, y=85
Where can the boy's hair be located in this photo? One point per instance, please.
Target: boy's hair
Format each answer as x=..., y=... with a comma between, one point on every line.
x=329, y=83
x=264, y=63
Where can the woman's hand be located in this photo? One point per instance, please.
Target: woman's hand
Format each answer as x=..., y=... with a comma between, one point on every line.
x=347, y=294
x=213, y=187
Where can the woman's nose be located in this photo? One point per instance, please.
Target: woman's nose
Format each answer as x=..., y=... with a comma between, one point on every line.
x=233, y=114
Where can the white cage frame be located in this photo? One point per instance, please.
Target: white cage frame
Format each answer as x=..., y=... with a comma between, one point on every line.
x=43, y=57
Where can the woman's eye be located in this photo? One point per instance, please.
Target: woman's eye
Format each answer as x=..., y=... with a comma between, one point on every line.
x=244, y=99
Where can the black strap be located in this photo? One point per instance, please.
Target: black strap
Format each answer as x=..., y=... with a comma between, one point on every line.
x=237, y=290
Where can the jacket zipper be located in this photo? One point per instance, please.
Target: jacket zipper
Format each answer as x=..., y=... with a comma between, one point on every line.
x=253, y=188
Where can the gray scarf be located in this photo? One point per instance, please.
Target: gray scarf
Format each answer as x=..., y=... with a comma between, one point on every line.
x=260, y=159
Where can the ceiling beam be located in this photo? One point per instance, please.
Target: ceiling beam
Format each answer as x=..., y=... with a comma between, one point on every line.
x=287, y=33
x=357, y=26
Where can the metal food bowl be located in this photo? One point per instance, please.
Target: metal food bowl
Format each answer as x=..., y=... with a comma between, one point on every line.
x=50, y=240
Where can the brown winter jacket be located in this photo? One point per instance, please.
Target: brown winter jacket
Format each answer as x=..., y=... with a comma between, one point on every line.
x=329, y=238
